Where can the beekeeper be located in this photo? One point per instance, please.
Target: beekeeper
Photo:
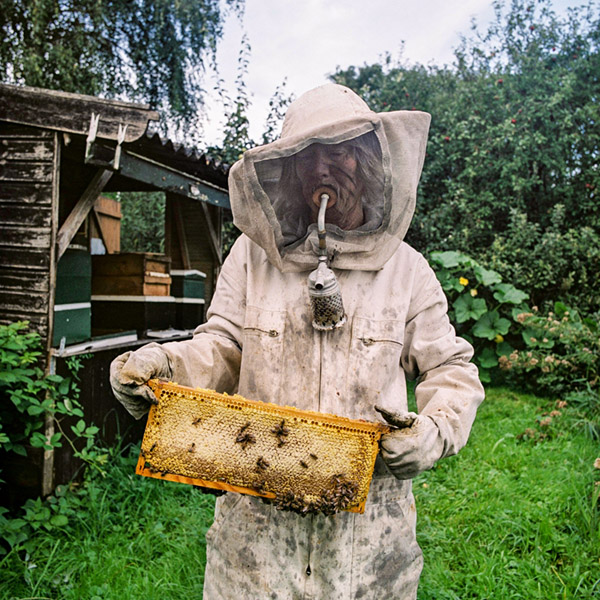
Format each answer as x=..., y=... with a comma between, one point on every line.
x=262, y=340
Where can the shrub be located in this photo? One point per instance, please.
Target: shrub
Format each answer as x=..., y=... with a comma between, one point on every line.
x=28, y=397
x=480, y=306
x=560, y=352
x=558, y=263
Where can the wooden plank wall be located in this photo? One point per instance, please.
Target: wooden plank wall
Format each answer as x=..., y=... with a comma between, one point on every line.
x=28, y=163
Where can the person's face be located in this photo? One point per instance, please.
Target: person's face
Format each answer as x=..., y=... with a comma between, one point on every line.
x=333, y=166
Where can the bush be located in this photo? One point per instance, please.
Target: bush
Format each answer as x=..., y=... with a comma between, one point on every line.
x=560, y=353
x=480, y=306
x=556, y=263
x=29, y=396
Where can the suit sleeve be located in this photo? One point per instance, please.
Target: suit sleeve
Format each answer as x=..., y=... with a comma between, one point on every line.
x=212, y=358
x=448, y=387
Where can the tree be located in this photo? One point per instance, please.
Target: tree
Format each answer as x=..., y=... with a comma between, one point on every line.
x=515, y=131
x=142, y=50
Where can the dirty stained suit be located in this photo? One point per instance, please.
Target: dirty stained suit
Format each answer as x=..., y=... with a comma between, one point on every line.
x=258, y=341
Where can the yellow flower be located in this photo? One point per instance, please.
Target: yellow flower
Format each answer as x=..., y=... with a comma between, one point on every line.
x=498, y=339
x=473, y=292
x=463, y=281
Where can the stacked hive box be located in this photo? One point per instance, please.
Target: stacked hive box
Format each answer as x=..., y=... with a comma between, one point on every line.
x=187, y=286
x=131, y=291
x=72, y=301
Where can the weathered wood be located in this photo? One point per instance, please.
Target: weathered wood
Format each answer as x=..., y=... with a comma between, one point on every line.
x=107, y=222
x=181, y=235
x=37, y=321
x=31, y=149
x=23, y=280
x=61, y=111
x=215, y=244
x=26, y=237
x=24, y=258
x=81, y=210
x=130, y=263
x=17, y=214
x=25, y=302
x=54, y=256
x=26, y=171
x=15, y=130
x=26, y=192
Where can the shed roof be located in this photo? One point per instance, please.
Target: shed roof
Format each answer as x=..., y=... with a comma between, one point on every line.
x=73, y=114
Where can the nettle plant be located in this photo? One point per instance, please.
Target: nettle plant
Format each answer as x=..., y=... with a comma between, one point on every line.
x=30, y=396
x=481, y=306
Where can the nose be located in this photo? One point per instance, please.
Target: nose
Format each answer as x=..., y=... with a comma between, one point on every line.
x=321, y=164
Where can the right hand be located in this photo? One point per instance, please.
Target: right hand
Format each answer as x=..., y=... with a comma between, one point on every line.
x=130, y=372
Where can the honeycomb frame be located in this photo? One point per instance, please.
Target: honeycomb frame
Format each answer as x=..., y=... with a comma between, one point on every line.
x=302, y=460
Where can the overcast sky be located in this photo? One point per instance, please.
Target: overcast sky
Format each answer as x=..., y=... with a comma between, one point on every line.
x=304, y=41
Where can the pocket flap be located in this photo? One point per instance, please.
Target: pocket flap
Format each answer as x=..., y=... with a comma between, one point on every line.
x=268, y=321
x=370, y=330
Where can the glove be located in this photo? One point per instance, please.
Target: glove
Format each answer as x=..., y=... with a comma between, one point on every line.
x=130, y=372
x=413, y=446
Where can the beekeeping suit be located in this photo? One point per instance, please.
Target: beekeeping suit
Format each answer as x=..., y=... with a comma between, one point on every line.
x=259, y=341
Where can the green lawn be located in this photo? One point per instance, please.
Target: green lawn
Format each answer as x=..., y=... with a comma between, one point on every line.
x=513, y=516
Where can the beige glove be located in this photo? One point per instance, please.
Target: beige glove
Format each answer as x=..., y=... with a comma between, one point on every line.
x=130, y=372
x=413, y=446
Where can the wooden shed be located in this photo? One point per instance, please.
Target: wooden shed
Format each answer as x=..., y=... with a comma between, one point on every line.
x=60, y=154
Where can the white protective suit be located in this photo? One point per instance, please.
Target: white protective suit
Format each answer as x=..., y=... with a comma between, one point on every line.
x=259, y=341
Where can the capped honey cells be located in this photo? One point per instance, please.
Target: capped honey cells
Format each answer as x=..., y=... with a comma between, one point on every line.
x=303, y=461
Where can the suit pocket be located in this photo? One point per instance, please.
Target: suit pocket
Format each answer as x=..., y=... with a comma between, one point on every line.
x=262, y=354
x=375, y=351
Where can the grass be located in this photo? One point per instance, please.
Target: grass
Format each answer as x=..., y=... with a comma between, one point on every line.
x=514, y=515
x=128, y=537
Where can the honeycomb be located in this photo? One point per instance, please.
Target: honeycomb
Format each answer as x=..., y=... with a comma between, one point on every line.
x=303, y=461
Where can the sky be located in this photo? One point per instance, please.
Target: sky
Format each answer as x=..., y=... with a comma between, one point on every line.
x=303, y=41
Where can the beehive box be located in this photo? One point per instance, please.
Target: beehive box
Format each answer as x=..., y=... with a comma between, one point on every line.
x=131, y=274
x=303, y=460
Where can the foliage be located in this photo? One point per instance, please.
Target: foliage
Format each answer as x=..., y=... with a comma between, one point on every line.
x=119, y=536
x=148, y=50
x=516, y=514
x=142, y=221
x=514, y=128
x=552, y=263
x=480, y=306
x=236, y=134
x=561, y=352
x=511, y=516
x=31, y=397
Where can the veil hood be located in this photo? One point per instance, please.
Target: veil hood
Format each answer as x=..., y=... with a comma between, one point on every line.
x=330, y=114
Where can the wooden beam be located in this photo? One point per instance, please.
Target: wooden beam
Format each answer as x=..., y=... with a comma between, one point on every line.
x=183, y=248
x=80, y=210
x=215, y=245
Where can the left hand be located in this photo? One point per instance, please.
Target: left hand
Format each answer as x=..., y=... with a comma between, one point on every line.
x=413, y=446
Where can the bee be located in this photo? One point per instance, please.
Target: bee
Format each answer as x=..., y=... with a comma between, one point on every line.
x=314, y=456
x=153, y=446
x=196, y=421
x=261, y=464
x=192, y=447
x=302, y=463
x=245, y=438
